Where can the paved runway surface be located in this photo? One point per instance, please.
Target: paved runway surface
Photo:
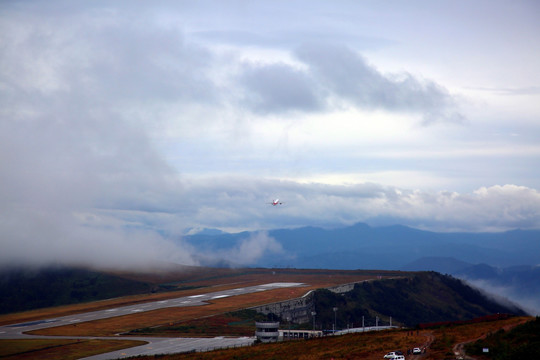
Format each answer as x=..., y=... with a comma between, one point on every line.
x=175, y=345
x=155, y=345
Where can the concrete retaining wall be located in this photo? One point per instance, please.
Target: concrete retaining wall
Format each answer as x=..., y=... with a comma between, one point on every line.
x=298, y=310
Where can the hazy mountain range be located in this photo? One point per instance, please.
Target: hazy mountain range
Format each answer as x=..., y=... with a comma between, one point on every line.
x=392, y=247
x=505, y=263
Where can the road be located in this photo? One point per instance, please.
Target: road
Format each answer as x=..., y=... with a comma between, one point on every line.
x=155, y=345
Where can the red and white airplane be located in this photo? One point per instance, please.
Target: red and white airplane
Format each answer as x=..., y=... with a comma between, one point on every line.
x=276, y=202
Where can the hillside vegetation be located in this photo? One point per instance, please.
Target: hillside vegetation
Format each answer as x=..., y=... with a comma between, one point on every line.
x=421, y=298
x=521, y=342
x=26, y=289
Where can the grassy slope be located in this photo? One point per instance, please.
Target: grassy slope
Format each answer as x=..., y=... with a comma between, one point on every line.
x=521, y=342
x=365, y=346
x=423, y=297
x=66, y=349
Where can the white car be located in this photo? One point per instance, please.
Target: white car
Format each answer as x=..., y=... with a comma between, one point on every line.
x=399, y=357
x=392, y=355
x=416, y=351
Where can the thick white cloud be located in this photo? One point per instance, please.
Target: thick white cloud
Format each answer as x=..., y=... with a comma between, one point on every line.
x=507, y=295
x=247, y=252
x=123, y=124
x=241, y=206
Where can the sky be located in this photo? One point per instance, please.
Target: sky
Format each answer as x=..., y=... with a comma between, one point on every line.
x=125, y=125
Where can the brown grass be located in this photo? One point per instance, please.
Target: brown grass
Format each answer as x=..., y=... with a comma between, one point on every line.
x=168, y=316
x=204, y=282
x=218, y=325
x=105, y=327
x=447, y=337
x=60, y=349
x=366, y=346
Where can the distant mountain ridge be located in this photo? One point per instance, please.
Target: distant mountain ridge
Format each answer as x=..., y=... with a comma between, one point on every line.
x=361, y=247
x=503, y=263
x=444, y=265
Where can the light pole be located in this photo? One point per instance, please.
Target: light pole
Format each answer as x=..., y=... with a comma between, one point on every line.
x=335, y=318
x=289, y=332
x=313, y=313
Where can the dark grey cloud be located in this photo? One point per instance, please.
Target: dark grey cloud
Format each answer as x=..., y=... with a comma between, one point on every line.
x=279, y=88
x=334, y=76
x=348, y=76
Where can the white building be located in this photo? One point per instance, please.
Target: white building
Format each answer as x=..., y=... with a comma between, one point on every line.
x=267, y=331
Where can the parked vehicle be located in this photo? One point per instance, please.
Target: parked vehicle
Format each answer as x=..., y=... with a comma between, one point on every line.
x=393, y=355
x=399, y=357
x=416, y=351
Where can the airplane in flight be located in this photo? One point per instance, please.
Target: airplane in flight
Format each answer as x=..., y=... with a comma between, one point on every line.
x=276, y=202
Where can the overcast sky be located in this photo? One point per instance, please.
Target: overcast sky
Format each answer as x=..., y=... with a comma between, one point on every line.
x=123, y=124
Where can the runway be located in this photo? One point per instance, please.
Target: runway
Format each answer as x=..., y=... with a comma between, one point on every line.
x=155, y=345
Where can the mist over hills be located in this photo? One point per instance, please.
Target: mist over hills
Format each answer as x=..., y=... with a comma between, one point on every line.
x=521, y=283
x=392, y=247
x=23, y=288
x=420, y=298
x=503, y=263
